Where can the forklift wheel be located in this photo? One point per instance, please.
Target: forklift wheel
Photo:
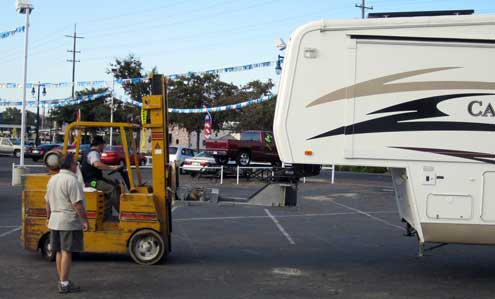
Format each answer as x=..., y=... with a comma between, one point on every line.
x=46, y=250
x=146, y=247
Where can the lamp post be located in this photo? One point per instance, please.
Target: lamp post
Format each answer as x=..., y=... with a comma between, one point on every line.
x=24, y=7
x=33, y=92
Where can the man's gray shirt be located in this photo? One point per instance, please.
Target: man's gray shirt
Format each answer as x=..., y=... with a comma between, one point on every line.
x=93, y=157
x=62, y=191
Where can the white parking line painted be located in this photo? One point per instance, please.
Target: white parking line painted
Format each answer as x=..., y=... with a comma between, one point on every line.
x=369, y=215
x=8, y=226
x=219, y=218
x=10, y=231
x=280, y=216
x=280, y=227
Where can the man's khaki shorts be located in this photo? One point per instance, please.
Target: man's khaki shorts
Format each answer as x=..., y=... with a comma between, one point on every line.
x=66, y=240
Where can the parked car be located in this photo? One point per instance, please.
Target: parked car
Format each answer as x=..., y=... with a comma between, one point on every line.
x=28, y=147
x=180, y=154
x=39, y=151
x=252, y=146
x=199, y=164
x=114, y=154
x=12, y=147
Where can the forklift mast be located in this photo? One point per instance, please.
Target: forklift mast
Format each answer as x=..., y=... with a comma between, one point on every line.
x=156, y=120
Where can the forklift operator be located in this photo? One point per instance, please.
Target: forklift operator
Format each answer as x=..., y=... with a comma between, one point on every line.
x=92, y=171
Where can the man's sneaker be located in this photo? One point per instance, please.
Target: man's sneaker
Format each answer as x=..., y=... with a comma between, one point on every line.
x=70, y=288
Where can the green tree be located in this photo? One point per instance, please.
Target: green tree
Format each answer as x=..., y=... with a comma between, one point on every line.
x=198, y=91
x=128, y=68
x=96, y=110
x=258, y=116
x=12, y=116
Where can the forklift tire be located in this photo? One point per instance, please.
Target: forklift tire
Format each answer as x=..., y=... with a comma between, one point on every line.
x=46, y=251
x=146, y=247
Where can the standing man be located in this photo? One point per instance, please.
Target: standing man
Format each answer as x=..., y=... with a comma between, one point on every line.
x=66, y=219
x=92, y=171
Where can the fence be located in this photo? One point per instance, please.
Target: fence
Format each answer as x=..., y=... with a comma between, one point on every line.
x=17, y=171
x=254, y=168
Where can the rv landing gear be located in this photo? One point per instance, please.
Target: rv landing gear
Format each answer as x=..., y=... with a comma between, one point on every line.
x=422, y=249
x=410, y=231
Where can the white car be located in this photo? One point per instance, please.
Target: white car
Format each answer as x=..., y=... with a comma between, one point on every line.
x=180, y=154
x=199, y=164
x=10, y=146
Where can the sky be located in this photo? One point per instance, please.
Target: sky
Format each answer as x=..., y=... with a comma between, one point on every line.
x=174, y=36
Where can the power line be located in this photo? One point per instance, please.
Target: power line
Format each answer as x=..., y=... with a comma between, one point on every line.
x=73, y=60
x=246, y=28
x=126, y=29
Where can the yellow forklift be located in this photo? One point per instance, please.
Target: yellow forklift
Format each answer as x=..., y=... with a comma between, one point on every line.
x=144, y=222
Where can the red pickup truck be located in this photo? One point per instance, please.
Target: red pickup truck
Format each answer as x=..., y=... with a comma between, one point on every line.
x=253, y=146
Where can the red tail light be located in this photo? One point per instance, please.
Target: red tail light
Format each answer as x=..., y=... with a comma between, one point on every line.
x=203, y=164
x=187, y=163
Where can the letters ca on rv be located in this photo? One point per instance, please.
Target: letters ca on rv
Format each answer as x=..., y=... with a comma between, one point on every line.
x=481, y=108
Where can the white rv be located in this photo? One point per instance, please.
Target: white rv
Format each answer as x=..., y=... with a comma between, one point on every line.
x=416, y=95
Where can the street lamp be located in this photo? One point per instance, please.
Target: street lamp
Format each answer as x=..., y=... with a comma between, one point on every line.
x=24, y=7
x=33, y=92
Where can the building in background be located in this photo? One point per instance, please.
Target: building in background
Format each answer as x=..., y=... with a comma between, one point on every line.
x=180, y=136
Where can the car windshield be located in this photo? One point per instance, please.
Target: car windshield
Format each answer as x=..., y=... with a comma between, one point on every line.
x=172, y=150
x=202, y=154
x=251, y=136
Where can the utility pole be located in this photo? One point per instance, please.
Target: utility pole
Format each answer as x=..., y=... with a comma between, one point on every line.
x=73, y=60
x=363, y=8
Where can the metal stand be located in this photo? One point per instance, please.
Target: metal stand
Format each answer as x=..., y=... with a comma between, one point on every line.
x=422, y=249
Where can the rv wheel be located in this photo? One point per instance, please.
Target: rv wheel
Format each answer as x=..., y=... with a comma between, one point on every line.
x=146, y=247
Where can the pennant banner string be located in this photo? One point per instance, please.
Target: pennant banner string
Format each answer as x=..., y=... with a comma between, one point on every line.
x=127, y=100
x=102, y=83
x=12, y=32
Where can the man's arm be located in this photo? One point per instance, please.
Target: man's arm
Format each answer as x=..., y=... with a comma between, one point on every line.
x=48, y=212
x=81, y=212
x=102, y=166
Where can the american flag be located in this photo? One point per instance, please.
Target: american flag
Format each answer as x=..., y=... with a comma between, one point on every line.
x=207, y=127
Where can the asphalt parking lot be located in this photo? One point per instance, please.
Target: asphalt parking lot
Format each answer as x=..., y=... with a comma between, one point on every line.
x=341, y=241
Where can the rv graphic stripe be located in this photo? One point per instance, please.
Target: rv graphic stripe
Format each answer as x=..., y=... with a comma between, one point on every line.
x=476, y=156
x=413, y=110
x=384, y=85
